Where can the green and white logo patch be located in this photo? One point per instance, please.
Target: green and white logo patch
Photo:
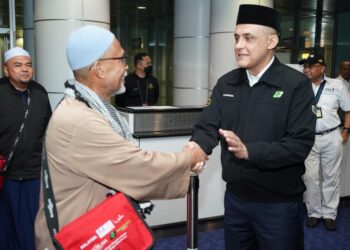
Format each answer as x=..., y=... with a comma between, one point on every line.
x=278, y=94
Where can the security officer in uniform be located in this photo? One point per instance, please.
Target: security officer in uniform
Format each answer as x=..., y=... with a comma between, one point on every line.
x=326, y=154
x=262, y=115
x=141, y=88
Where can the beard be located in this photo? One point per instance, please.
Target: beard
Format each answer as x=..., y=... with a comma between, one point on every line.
x=25, y=81
x=121, y=90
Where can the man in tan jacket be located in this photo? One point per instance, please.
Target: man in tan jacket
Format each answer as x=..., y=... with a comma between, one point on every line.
x=89, y=146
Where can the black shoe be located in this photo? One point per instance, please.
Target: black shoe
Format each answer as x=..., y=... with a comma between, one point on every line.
x=330, y=224
x=312, y=221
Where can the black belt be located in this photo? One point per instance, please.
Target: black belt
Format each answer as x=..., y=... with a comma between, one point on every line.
x=326, y=131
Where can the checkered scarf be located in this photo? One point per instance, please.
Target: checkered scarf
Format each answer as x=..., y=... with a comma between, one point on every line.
x=86, y=95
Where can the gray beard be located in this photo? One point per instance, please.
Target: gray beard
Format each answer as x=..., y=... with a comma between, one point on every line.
x=25, y=82
x=121, y=90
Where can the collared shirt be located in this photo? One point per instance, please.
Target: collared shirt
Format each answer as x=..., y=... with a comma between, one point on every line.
x=333, y=97
x=346, y=82
x=254, y=79
x=315, y=86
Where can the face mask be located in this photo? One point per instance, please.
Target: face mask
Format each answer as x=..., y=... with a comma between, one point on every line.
x=148, y=70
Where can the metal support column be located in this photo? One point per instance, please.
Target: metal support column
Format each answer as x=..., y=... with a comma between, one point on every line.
x=192, y=213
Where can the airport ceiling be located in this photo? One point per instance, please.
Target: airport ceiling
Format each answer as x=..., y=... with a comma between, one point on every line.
x=157, y=8
x=164, y=7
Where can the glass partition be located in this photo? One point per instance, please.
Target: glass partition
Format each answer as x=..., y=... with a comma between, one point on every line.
x=4, y=31
x=147, y=27
x=300, y=35
x=11, y=26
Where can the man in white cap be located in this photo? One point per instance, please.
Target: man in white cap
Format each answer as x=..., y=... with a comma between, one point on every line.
x=261, y=114
x=24, y=114
x=89, y=147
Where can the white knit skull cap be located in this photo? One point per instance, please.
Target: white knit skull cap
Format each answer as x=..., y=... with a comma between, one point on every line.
x=86, y=45
x=16, y=51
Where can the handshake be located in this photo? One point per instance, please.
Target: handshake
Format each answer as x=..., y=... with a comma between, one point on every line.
x=198, y=156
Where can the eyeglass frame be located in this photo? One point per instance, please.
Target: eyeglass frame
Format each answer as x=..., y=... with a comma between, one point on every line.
x=122, y=58
x=314, y=66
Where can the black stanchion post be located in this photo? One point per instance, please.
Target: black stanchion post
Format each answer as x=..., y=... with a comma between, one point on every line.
x=192, y=213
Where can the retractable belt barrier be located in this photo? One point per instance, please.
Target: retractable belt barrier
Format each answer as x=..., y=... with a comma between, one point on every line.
x=192, y=213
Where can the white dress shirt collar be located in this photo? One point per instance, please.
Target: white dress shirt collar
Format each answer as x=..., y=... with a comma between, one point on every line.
x=254, y=79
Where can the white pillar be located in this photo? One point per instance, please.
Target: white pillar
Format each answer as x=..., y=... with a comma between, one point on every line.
x=191, y=52
x=223, y=23
x=28, y=28
x=54, y=20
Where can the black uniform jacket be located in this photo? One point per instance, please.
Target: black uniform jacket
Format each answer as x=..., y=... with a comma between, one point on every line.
x=274, y=119
x=26, y=161
x=139, y=91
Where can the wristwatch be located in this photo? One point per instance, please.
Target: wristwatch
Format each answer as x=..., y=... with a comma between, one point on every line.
x=347, y=129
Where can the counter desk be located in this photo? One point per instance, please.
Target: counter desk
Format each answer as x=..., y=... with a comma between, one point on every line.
x=167, y=129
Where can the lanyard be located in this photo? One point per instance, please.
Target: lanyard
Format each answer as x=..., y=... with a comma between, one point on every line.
x=26, y=99
x=146, y=94
x=319, y=91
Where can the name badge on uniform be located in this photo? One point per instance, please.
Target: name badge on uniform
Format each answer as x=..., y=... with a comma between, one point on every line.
x=318, y=112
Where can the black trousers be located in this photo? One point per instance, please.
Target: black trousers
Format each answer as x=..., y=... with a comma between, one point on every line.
x=264, y=226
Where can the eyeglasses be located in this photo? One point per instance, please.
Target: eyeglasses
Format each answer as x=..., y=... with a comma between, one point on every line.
x=312, y=66
x=122, y=58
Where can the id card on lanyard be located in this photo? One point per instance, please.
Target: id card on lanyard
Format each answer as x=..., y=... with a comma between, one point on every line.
x=318, y=110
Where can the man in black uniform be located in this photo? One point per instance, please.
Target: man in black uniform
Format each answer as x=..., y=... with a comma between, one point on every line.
x=262, y=115
x=24, y=104
x=141, y=88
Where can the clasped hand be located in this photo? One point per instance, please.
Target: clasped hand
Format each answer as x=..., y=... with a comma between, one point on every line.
x=198, y=156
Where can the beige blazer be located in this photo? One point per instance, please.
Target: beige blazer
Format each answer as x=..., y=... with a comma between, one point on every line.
x=86, y=158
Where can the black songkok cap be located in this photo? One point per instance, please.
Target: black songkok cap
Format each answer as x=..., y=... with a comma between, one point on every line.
x=258, y=14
